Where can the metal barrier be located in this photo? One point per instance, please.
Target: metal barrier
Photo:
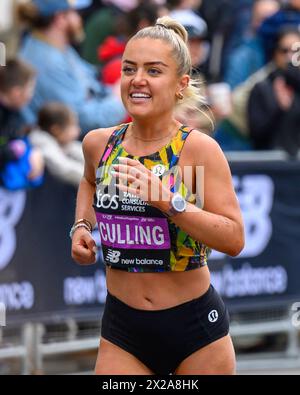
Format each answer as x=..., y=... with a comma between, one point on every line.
x=23, y=351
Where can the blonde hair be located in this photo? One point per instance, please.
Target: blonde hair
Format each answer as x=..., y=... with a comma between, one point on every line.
x=172, y=32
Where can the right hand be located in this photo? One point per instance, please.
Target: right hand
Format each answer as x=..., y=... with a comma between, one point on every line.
x=283, y=93
x=83, y=247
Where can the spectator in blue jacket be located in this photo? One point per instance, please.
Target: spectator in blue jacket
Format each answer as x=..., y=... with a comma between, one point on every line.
x=288, y=15
x=62, y=75
x=249, y=56
x=21, y=164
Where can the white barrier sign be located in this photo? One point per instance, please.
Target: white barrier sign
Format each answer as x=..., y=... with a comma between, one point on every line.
x=2, y=314
x=2, y=54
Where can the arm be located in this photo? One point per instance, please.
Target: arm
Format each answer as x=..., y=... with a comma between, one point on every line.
x=74, y=151
x=58, y=162
x=86, y=190
x=219, y=224
x=83, y=245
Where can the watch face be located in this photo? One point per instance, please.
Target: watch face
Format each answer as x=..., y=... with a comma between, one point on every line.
x=179, y=203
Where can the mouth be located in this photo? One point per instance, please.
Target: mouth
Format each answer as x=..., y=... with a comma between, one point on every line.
x=139, y=97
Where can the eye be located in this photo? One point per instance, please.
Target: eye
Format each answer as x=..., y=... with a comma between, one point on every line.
x=153, y=71
x=128, y=70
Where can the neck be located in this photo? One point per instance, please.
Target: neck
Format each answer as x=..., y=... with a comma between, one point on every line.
x=154, y=128
x=53, y=37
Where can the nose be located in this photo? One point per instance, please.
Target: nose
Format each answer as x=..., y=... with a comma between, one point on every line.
x=139, y=78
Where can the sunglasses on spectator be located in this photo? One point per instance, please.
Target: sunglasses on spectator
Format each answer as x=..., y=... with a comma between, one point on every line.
x=286, y=50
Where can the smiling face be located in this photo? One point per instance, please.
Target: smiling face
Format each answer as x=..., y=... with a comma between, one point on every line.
x=150, y=78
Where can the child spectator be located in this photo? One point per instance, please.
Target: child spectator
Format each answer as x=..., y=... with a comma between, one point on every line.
x=56, y=136
x=21, y=165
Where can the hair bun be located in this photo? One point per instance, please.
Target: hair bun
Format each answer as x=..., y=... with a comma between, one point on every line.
x=172, y=24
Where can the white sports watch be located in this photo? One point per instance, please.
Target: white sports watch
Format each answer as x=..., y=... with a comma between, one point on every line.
x=177, y=205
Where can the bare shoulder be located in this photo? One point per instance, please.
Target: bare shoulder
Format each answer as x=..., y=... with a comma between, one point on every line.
x=203, y=149
x=94, y=143
x=96, y=137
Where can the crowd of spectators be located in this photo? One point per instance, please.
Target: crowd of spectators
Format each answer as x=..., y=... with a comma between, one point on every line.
x=64, y=79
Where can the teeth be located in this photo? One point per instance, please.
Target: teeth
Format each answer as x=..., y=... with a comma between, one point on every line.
x=138, y=95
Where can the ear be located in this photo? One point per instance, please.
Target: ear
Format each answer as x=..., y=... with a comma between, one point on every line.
x=183, y=83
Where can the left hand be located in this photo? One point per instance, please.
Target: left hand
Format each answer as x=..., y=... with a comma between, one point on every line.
x=37, y=164
x=136, y=179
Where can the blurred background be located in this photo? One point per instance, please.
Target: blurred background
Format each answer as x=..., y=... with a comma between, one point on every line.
x=59, y=78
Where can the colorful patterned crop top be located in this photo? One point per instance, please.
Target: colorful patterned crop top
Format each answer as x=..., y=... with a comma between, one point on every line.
x=136, y=236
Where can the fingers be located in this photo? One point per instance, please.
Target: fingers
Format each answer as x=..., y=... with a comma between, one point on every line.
x=133, y=177
x=131, y=180
x=129, y=161
x=128, y=165
x=83, y=255
x=90, y=242
x=84, y=248
x=128, y=169
x=128, y=178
